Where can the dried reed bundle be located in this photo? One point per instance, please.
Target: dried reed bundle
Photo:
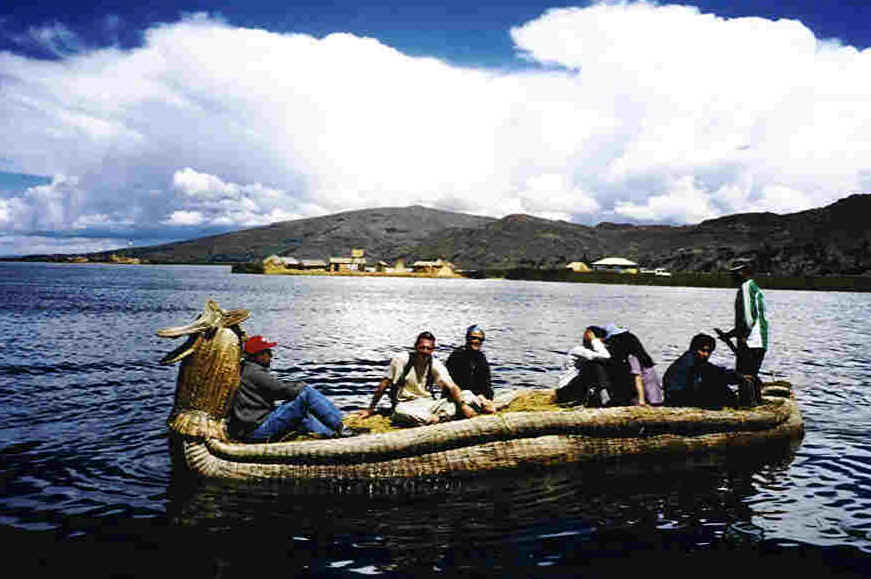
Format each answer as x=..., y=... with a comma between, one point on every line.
x=531, y=429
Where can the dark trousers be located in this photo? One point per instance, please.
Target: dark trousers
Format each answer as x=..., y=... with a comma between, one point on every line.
x=592, y=375
x=749, y=360
x=747, y=363
x=711, y=392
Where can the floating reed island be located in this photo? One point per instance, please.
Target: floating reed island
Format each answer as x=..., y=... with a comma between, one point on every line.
x=528, y=431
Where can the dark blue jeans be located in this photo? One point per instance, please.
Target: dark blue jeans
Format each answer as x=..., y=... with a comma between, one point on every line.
x=311, y=411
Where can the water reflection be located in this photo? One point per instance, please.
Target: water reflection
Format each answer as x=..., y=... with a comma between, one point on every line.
x=569, y=515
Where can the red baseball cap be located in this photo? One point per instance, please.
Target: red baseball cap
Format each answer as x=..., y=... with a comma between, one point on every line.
x=256, y=344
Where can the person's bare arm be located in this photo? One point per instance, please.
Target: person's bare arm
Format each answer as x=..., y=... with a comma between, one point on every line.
x=639, y=387
x=453, y=392
x=379, y=391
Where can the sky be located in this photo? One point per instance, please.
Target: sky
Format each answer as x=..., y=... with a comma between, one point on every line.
x=133, y=125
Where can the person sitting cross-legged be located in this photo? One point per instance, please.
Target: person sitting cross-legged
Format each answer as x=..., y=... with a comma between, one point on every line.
x=468, y=364
x=422, y=391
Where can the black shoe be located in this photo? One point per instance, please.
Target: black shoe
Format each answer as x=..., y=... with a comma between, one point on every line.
x=348, y=432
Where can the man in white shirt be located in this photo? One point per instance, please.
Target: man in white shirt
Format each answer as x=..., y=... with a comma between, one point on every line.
x=422, y=391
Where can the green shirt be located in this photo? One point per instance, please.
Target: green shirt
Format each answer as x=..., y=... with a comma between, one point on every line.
x=750, y=322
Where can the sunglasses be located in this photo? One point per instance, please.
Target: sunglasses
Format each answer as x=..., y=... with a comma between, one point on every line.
x=475, y=339
x=708, y=350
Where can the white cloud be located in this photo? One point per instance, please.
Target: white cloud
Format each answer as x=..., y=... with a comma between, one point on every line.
x=778, y=198
x=650, y=112
x=41, y=244
x=551, y=196
x=202, y=185
x=43, y=207
x=55, y=38
x=698, y=95
x=182, y=217
x=226, y=204
x=683, y=202
x=93, y=220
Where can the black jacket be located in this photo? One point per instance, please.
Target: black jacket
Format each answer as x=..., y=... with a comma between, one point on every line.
x=690, y=381
x=470, y=370
x=255, y=398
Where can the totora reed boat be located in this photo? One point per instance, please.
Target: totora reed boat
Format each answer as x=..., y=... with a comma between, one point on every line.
x=511, y=439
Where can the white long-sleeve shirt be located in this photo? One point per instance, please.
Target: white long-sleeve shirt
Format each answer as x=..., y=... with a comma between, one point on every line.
x=577, y=356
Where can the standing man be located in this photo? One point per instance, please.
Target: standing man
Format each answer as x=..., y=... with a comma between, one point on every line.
x=415, y=380
x=253, y=415
x=468, y=365
x=751, y=327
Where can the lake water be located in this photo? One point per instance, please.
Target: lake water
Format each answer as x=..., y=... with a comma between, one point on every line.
x=88, y=484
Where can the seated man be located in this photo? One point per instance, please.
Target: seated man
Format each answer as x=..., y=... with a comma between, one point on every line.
x=692, y=380
x=468, y=365
x=415, y=380
x=253, y=415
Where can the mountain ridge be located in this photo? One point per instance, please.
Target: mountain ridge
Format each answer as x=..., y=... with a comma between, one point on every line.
x=834, y=239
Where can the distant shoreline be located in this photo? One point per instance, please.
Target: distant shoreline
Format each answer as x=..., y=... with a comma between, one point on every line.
x=240, y=268
x=677, y=279
x=844, y=283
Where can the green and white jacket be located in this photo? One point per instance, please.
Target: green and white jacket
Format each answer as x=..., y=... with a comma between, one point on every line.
x=750, y=319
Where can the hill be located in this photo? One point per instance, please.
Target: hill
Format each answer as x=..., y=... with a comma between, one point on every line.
x=385, y=233
x=829, y=240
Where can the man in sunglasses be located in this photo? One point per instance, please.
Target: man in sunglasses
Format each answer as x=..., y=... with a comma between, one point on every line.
x=253, y=414
x=692, y=380
x=421, y=389
x=468, y=365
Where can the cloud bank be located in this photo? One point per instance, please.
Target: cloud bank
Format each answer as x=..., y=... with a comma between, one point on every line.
x=638, y=112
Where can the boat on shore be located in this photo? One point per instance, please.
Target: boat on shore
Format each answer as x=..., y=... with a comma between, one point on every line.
x=511, y=439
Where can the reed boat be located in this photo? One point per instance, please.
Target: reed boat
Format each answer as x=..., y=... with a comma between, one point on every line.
x=513, y=438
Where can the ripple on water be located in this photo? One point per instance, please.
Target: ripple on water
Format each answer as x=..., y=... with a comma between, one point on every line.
x=85, y=403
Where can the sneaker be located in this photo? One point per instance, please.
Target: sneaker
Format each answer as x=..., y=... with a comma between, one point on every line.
x=348, y=432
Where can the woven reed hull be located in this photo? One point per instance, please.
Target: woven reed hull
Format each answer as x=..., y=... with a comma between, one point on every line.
x=498, y=443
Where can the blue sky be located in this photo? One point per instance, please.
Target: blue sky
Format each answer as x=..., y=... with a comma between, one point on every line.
x=172, y=120
x=462, y=32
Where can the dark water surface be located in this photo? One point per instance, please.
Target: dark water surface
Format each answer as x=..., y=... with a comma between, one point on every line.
x=87, y=483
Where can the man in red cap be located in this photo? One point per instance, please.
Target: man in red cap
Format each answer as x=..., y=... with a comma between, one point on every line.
x=253, y=414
